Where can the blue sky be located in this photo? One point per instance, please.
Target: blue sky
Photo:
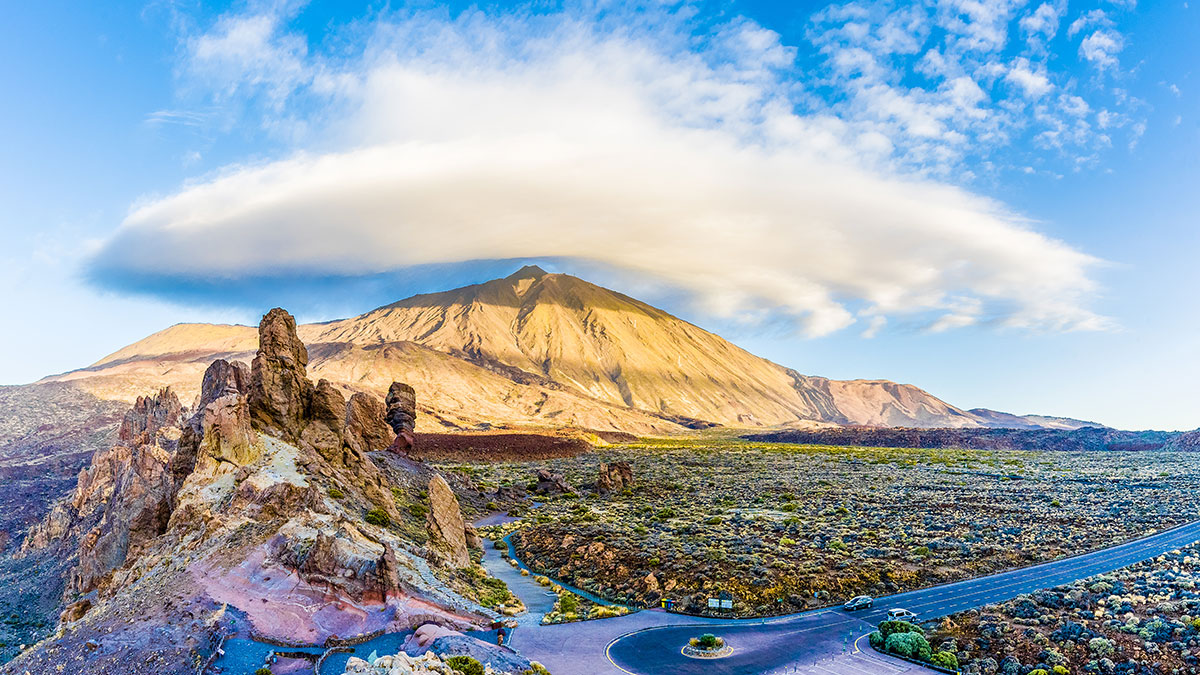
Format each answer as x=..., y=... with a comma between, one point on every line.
x=992, y=200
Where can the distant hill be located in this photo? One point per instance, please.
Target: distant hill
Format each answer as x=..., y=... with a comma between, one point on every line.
x=1081, y=439
x=546, y=350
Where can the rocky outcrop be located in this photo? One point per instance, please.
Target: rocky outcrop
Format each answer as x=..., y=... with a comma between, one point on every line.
x=148, y=415
x=279, y=387
x=325, y=422
x=366, y=426
x=123, y=499
x=402, y=415
x=614, y=477
x=551, y=483
x=446, y=527
x=222, y=379
x=226, y=435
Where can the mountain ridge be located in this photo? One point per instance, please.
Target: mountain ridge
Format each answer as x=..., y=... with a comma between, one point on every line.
x=536, y=348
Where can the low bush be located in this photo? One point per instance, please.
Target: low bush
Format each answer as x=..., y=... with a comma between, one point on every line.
x=465, y=665
x=945, y=660
x=378, y=516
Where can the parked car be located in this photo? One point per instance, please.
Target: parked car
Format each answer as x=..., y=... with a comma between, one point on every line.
x=858, y=602
x=898, y=614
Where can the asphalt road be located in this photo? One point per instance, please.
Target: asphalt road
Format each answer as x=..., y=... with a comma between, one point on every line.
x=824, y=642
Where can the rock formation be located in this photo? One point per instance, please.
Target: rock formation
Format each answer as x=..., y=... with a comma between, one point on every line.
x=279, y=385
x=325, y=422
x=446, y=525
x=551, y=483
x=402, y=415
x=366, y=427
x=123, y=499
x=265, y=500
x=614, y=477
x=148, y=415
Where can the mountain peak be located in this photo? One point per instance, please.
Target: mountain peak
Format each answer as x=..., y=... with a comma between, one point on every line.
x=528, y=272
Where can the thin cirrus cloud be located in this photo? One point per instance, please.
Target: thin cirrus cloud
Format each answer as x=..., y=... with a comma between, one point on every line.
x=559, y=136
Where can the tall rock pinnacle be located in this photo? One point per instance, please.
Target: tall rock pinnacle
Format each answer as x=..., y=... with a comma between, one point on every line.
x=280, y=390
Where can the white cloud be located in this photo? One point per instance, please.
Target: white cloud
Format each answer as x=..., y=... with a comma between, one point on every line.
x=1101, y=48
x=1042, y=23
x=1034, y=84
x=486, y=138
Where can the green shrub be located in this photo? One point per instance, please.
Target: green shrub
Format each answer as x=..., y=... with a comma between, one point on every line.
x=1038, y=671
x=1060, y=670
x=418, y=509
x=889, y=627
x=876, y=639
x=708, y=641
x=1101, y=647
x=336, y=493
x=836, y=544
x=465, y=665
x=568, y=603
x=378, y=516
x=912, y=645
x=263, y=671
x=945, y=660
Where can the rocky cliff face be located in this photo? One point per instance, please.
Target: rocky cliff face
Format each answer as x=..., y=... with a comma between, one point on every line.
x=249, y=516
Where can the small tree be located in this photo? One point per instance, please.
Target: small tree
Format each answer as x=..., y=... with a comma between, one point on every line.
x=912, y=645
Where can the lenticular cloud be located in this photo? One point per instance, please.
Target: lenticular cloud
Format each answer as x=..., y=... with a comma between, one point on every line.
x=639, y=148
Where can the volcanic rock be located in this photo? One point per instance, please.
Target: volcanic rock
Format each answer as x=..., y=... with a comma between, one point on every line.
x=226, y=435
x=279, y=387
x=551, y=483
x=446, y=525
x=326, y=419
x=402, y=415
x=148, y=415
x=223, y=378
x=614, y=477
x=366, y=428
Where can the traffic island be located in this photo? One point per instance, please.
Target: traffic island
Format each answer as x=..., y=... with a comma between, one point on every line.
x=707, y=646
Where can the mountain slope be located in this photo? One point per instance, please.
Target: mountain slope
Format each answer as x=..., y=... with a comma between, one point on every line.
x=545, y=349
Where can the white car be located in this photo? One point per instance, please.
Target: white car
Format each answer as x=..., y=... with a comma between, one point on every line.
x=898, y=614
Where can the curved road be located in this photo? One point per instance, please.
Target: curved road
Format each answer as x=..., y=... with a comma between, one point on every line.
x=821, y=642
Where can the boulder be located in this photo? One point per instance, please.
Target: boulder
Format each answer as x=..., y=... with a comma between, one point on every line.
x=279, y=387
x=366, y=426
x=614, y=477
x=551, y=483
x=402, y=415
x=446, y=526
